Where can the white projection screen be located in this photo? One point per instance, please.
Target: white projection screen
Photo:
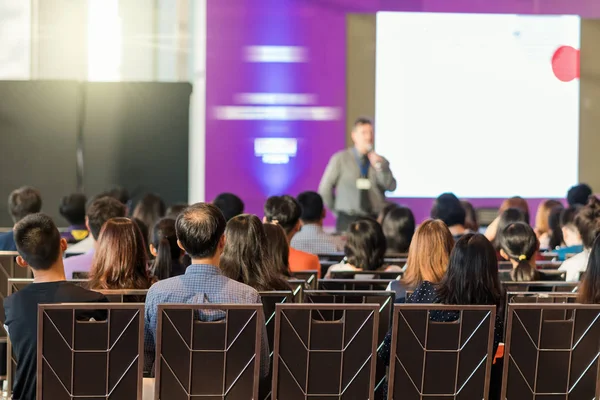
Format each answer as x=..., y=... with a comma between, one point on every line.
x=483, y=105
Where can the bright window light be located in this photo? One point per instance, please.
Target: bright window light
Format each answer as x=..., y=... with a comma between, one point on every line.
x=104, y=40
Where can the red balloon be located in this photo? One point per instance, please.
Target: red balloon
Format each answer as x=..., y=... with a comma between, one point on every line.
x=565, y=63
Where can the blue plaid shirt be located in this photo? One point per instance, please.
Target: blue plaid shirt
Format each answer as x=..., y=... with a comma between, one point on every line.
x=199, y=284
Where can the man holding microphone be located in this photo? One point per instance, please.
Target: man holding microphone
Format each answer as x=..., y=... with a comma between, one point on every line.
x=356, y=179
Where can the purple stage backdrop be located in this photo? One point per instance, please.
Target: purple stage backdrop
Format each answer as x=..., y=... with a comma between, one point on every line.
x=276, y=70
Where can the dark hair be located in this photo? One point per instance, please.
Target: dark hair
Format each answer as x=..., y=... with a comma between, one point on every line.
x=120, y=260
x=38, y=241
x=199, y=229
x=447, y=207
x=229, y=204
x=150, y=209
x=164, y=240
x=579, y=194
x=385, y=211
x=507, y=217
x=472, y=275
x=471, y=222
x=101, y=210
x=556, y=236
x=119, y=193
x=365, y=245
x=72, y=208
x=520, y=244
x=362, y=121
x=312, y=207
x=589, y=288
x=174, y=210
x=567, y=215
x=518, y=203
x=278, y=248
x=398, y=228
x=587, y=222
x=23, y=202
x=143, y=229
x=283, y=210
x=245, y=257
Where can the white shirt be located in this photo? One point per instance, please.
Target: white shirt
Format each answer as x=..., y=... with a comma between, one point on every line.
x=575, y=265
x=82, y=247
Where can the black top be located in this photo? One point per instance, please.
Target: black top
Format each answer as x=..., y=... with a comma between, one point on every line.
x=7, y=241
x=21, y=309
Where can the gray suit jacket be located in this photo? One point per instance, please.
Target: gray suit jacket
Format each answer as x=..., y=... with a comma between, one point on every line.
x=338, y=185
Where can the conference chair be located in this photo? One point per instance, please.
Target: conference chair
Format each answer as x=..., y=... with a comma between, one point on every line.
x=450, y=360
x=317, y=358
x=544, y=265
x=366, y=274
x=124, y=295
x=209, y=351
x=552, y=351
x=540, y=286
x=79, y=358
x=354, y=284
x=310, y=276
x=298, y=288
x=545, y=275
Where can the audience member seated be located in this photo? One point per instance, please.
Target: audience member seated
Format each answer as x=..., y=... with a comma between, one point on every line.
x=471, y=222
x=365, y=249
x=398, y=228
x=578, y=195
x=571, y=237
x=229, y=204
x=556, y=236
x=311, y=238
x=245, y=256
x=21, y=203
x=587, y=222
x=471, y=279
x=98, y=212
x=72, y=208
x=168, y=260
x=542, y=226
x=121, y=194
x=41, y=248
x=285, y=211
x=589, y=289
x=120, y=261
x=150, y=209
x=278, y=249
x=507, y=217
x=514, y=202
x=448, y=208
x=519, y=244
x=174, y=210
x=427, y=258
x=200, y=230
x=385, y=210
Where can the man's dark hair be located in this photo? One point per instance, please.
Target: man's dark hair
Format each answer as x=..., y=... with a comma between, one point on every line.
x=447, y=207
x=200, y=228
x=229, y=204
x=366, y=245
x=37, y=240
x=567, y=215
x=587, y=222
x=23, y=202
x=101, y=210
x=119, y=193
x=579, y=194
x=362, y=121
x=312, y=207
x=284, y=210
x=72, y=208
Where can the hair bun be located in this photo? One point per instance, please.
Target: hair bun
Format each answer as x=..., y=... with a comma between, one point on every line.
x=593, y=202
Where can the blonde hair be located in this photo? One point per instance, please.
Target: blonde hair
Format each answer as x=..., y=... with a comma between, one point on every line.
x=543, y=213
x=429, y=253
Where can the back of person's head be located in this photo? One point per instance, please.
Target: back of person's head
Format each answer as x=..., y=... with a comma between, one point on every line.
x=312, y=207
x=72, y=208
x=556, y=234
x=515, y=202
x=164, y=245
x=589, y=288
x=365, y=245
x=120, y=259
x=245, y=254
x=284, y=211
x=587, y=222
x=23, y=202
x=229, y=204
x=571, y=236
x=174, y=210
x=447, y=207
x=100, y=210
x=385, y=211
x=143, y=229
x=398, y=228
x=472, y=275
x=278, y=249
x=119, y=193
x=200, y=228
x=429, y=253
x=579, y=194
x=507, y=217
x=543, y=213
x=38, y=241
x=150, y=209
x=519, y=243
x=471, y=222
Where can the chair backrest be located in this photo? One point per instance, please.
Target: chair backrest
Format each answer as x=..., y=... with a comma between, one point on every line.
x=540, y=297
x=366, y=274
x=298, y=287
x=540, y=286
x=216, y=359
x=545, y=265
x=431, y=359
x=354, y=284
x=269, y=302
x=95, y=359
x=548, y=275
x=8, y=269
x=319, y=358
x=552, y=351
x=125, y=295
x=310, y=276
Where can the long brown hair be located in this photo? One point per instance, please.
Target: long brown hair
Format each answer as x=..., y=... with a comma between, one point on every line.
x=120, y=259
x=429, y=253
x=543, y=214
x=278, y=248
x=589, y=289
x=245, y=256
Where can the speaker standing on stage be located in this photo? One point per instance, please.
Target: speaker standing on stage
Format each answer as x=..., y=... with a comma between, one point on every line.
x=356, y=179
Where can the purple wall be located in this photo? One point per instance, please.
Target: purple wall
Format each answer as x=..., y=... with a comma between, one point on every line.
x=319, y=26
